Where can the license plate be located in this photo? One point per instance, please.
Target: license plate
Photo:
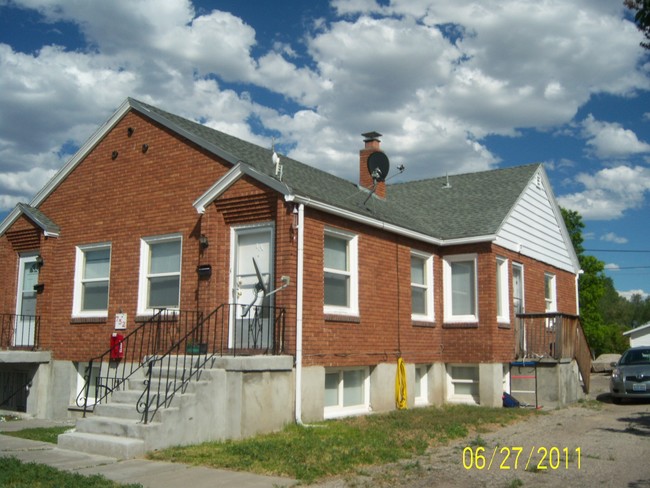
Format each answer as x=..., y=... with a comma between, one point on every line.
x=639, y=387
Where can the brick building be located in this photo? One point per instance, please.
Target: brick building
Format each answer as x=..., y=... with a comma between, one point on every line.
x=344, y=278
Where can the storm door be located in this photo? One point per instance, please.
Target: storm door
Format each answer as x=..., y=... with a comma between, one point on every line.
x=25, y=323
x=251, y=324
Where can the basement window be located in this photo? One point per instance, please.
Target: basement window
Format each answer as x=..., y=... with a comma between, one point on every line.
x=420, y=395
x=347, y=392
x=462, y=383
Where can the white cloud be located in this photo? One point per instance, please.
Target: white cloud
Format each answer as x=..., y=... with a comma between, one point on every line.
x=630, y=293
x=612, y=267
x=609, y=193
x=435, y=93
x=611, y=140
x=612, y=237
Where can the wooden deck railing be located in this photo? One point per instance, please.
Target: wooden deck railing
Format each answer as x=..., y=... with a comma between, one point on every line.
x=553, y=336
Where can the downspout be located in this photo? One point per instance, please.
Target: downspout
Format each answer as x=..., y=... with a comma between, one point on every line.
x=299, y=304
x=578, y=291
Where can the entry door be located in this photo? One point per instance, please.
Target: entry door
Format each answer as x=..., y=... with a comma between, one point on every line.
x=251, y=323
x=25, y=324
x=518, y=299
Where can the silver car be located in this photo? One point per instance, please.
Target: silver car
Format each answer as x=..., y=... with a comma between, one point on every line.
x=631, y=375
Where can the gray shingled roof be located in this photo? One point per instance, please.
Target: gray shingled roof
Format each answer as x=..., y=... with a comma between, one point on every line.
x=40, y=219
x=476, y=204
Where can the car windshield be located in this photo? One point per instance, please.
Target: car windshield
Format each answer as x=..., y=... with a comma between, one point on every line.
x=636, y=356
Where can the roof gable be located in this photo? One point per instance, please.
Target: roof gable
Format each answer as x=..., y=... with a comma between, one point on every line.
x=472, y=208
x=535, y=228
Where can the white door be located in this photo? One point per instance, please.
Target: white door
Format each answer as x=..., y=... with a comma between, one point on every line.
x=518, y=298
x=251, y=323
x=25, y=324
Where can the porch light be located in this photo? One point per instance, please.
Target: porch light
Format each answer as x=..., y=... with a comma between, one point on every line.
x=203, y=241
x=38, y=262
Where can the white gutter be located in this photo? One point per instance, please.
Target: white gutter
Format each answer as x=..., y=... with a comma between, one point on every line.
x=363, y=219
x=299, y=301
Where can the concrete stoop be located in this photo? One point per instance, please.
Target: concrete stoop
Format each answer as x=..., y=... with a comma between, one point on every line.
x=116, y=428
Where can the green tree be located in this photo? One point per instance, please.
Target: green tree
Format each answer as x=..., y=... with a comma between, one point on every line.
x=593, y=287
x=641, y=17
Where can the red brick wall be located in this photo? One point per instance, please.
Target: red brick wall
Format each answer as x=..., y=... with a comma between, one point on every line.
x=142, y=194
x=384, y=329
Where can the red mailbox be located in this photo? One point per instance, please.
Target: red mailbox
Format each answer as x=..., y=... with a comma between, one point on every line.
x=117, y=346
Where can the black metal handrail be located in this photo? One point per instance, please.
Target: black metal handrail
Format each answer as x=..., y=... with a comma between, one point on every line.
x=229, y=329
x=126, y=357
x=18, y=331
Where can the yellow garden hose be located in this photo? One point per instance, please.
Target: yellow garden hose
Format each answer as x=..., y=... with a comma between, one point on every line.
x=400, y=385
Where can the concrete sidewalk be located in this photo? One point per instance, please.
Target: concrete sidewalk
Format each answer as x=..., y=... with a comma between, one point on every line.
x=154, y=474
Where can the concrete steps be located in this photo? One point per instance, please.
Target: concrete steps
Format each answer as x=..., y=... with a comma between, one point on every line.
x=116, y=428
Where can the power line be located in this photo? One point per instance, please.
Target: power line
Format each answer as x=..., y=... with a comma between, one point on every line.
x=618, y=250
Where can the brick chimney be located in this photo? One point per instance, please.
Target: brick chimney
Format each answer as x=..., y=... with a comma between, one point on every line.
x=372, y=145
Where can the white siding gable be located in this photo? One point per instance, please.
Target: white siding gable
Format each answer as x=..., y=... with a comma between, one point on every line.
x=534, y=227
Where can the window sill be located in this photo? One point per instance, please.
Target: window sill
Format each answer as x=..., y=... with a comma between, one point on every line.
x=423, y=323
x=350, y=319
x=460, y=325
x=504, y=325
x=341, y=412
x=167, y=317
x=88, y=320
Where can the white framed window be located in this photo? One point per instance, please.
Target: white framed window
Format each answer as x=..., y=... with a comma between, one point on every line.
x=94, y=387
x=518, y=287
x=421, y=286
x=421, y=393
x=550, y=294
x=91, y=280
x=463, y=383
x=347, y=392
x=503, y=302
x=341, y=273
x=160, y=273
x=460, y=288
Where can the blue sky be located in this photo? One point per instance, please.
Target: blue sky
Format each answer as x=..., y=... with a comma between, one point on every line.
x=454, y=86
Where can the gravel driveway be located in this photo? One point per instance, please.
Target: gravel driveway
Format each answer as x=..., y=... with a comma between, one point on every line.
x=610, y=442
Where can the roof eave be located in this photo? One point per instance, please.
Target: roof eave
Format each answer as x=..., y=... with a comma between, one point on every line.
x=380, y=224
x=235, y=173
x=198, y=140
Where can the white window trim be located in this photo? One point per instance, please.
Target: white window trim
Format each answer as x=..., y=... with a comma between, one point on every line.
x=550, y=302
x=503, y=295
x=429, y=315
x=520, y=267
x=461, y=398
x=447, y=292
x=143, y=288
x=423, y=397
x=353, y=273
x=338, y=411
x=77, y=297
x=81, y=382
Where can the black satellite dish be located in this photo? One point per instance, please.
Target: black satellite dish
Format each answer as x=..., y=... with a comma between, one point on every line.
x=378, y=166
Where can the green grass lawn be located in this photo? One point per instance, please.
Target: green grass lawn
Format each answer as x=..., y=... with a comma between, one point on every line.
x=15, y=474
x=308, y=453
x=341, y=446
x=44, y=434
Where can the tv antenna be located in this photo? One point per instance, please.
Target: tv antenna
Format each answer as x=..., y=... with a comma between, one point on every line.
x=261, y=287
x=378, y=166
x=276, y=161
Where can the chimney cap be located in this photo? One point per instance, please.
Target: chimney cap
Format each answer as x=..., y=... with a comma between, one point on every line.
x=371, y=136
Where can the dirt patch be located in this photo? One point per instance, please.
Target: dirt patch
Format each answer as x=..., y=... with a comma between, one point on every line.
x=594, y=443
